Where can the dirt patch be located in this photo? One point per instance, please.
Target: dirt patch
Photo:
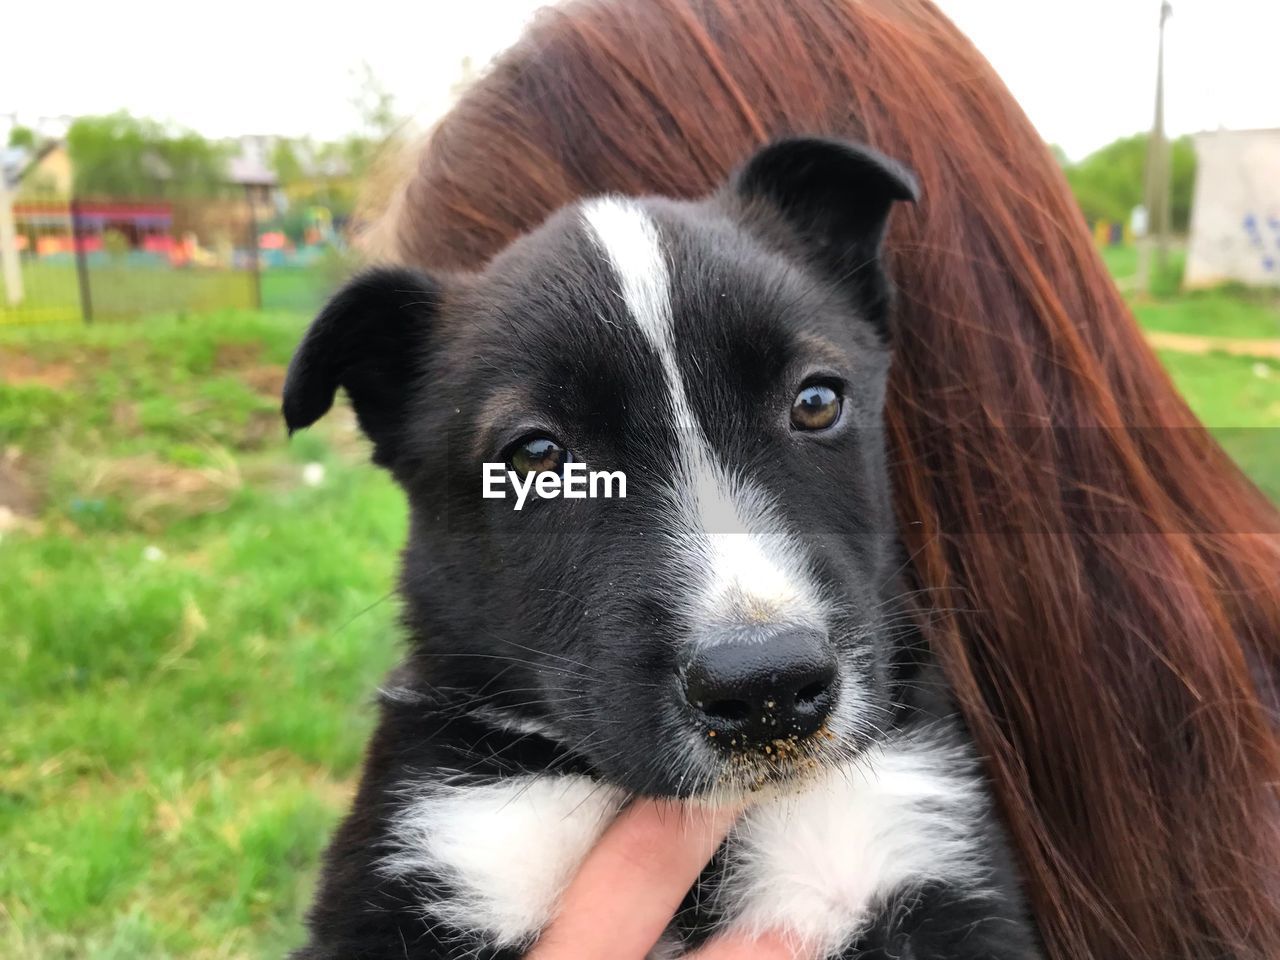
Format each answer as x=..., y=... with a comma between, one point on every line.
x=124, y=417
x=17, y=492
x=265, y=428
x=19, y=502
x=1190, y=343
x=22, y=370
x=154, y=492
x=236, y=356
x=267, y=380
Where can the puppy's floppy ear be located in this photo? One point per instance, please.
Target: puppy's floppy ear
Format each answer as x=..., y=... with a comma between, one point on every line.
x=370, y=339
x=835, y=196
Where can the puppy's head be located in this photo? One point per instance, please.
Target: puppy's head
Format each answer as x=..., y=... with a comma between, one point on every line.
x=725, y=623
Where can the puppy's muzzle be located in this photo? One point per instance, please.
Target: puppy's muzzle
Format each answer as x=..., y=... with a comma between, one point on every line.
x=752, y=687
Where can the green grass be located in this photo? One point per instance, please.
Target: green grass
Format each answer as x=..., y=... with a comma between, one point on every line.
x=1123, y=264
x=191, y=632
x=1224, y=312
x=1239, y=406
x=127, y=291
x=1213, y=313
x=299, y=288
x=184, y=671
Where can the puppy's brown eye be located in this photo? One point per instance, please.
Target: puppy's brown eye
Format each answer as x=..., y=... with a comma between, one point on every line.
x=816, y=407
x=538, y=455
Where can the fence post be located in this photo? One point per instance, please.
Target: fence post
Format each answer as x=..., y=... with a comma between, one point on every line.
x=82, y=263
x=9, y=247
x=255, y=263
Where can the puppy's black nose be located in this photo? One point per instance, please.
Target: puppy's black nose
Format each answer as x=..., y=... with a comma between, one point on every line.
x=754, y=686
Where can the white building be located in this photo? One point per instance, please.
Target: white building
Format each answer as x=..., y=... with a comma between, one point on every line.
x=1235, y=215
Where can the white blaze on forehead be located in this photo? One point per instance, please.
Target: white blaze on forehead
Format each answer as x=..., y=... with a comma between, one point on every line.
x=629, y=238
x=751, y=568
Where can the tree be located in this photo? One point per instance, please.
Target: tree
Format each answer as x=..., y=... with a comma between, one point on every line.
x=333, y=174
x=375, y=104
x=286, y=160
x=123, y=156
x=22, y=137
x=1109, y=182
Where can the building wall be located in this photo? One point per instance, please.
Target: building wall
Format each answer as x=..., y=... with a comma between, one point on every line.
x=1235, y=216
x=49, y=178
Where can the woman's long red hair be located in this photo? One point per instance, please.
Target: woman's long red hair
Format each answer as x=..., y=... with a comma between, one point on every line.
x=1105, y=584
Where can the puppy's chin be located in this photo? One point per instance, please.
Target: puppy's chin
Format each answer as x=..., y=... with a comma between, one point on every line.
x=777, y=769
x=733, y=777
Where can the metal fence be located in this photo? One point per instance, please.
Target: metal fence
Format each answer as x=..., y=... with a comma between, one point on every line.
x=93, y=258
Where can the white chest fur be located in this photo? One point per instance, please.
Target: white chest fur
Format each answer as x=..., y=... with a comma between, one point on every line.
x=507, y=849
x=817, y=863
x=814, y=862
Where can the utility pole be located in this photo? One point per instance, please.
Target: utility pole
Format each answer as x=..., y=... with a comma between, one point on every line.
x=1159, y=165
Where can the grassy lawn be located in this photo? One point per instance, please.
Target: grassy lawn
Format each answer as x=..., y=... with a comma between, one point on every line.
x=1237, y=396
x=1122, y=262
x=195, y=610
x=1213, y=313
x=1239, y=399
x=121, y=290
x=190, y=630
x=1226, y=312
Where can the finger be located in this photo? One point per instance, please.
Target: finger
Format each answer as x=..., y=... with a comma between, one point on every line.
x=770, y=946
x=632, y=882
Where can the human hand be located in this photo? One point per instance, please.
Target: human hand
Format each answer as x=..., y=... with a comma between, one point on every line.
x=632, y=883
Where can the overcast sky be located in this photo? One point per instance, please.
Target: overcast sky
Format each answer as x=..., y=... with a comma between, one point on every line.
x=1084, y=70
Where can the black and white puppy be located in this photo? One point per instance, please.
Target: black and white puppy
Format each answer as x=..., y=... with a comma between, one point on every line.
x=733, y=629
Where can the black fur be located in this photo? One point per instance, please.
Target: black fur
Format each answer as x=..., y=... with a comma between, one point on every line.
x=564, y=615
